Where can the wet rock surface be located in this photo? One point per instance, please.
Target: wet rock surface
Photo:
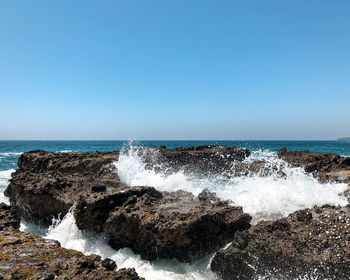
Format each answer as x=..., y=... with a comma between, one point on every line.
x=9, y=217
x=310, y=242
x=28, y=256
x=154, y=224
x=202, y=160
x=162, y=224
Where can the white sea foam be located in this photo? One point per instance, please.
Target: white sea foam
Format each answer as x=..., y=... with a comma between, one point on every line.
x=5, y=175
x=33, y=228
x=264, y=197
x=132, y=171
x=68, y=234
x=10, y=154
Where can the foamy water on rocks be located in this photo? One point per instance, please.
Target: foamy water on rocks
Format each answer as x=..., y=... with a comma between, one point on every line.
x=264, y=197
x=68, y=234
x=5, y=175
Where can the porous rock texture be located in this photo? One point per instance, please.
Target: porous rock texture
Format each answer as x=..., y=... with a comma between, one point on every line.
x=325, y=166
x=163, y=224
x=47, y=184
x=9, y=217
x=28, y=256
x=308, y=243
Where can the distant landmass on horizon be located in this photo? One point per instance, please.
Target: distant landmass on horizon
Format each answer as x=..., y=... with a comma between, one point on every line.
x=344, y=139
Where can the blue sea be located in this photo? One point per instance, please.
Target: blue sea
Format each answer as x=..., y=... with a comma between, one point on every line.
x=10, y=150
x=264, y=197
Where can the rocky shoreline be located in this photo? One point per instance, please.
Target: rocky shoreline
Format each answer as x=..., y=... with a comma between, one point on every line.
x=324, y=166
x=28, y=256
x=179, y=225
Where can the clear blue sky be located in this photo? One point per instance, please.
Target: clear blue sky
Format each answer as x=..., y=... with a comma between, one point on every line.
x=174, y=69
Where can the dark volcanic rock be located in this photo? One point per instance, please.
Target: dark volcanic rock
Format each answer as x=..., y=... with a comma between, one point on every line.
x=154, y=224
x=9, y=217
x=208, y=196
x=311, y=242
x=47, y=184
x=39, y=161
x=28, y=256
x=312, y=161
x=201, y=160
x=162, y=225
x=324, y=166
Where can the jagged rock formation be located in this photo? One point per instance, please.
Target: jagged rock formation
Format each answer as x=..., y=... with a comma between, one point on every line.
x=325, y=165
x=162, y=224
x=154, y=224
x=201, y=160
x=310, y=242
x=47, y=184
x=28, y=256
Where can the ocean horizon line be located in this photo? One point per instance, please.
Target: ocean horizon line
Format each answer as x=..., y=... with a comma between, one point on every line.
x=194, y=140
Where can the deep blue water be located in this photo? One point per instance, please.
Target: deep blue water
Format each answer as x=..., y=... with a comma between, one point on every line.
x=10, y=150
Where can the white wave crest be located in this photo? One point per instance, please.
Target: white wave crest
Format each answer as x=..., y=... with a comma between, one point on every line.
x=10, y=154
x=264, y=197
x=132, y=171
